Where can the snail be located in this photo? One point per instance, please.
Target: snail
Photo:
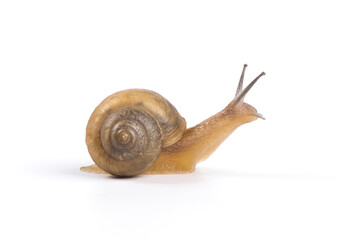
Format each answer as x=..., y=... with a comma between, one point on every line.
x=138, y=131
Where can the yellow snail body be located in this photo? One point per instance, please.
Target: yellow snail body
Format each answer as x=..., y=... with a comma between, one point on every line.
x=138, y=131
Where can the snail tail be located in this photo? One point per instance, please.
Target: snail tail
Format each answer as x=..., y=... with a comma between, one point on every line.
x=93, y=169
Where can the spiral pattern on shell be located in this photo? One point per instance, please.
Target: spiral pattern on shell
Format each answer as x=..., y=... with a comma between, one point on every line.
x=126, y=132
x=132, y=135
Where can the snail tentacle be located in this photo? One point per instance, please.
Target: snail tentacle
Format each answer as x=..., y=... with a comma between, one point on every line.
x=241, y=82
x=240, y=98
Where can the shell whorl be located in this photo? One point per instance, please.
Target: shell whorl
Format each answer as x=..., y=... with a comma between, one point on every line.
x=130, y=134
x=126, y=132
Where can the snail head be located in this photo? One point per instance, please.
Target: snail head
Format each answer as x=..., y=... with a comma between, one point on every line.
x=238, y=104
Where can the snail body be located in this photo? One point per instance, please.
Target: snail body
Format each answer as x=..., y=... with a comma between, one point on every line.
x=138, y=131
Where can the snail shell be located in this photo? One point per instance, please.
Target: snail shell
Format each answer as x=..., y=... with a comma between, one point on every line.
x=126, y=132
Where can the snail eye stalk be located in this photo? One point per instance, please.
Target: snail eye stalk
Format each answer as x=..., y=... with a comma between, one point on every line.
x=241, y=82
x=240, y=93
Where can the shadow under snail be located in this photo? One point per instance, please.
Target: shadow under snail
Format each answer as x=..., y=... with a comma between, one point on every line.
x=138, y=131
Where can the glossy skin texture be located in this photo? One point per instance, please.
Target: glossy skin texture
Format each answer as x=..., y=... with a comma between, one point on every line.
x=199, y=142
x=196, y=143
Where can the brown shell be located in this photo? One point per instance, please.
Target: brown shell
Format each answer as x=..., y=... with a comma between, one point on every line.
x=160, y=124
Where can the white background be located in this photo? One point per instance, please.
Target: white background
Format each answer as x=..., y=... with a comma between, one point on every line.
x=293, y=176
